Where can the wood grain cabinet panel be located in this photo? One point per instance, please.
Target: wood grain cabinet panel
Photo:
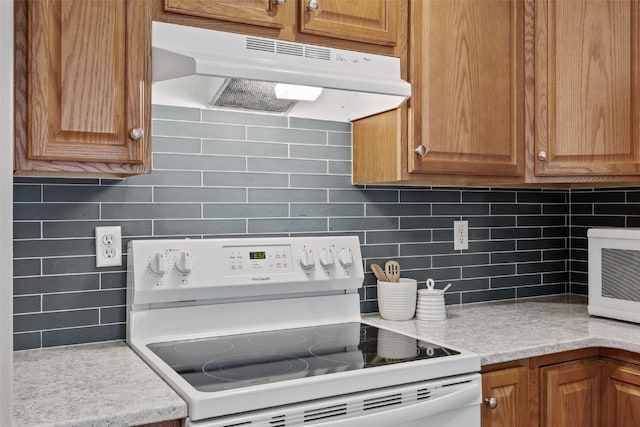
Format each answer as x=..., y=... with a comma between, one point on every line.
x=373, y=22
x=266, y=13
x=571, y=394
x=84, y=86
x=466, y=111
x=370, y=21
x=468, y=84
x=509, y=387
x=587, y=93
x=621, y=401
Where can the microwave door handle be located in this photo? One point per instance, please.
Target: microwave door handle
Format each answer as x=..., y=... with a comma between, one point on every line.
x=460, y=398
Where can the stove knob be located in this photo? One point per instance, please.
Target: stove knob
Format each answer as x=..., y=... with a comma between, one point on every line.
x=326, y=258
x=346, y=257
x=158, y=264
x=184, y=264
x=306, y=260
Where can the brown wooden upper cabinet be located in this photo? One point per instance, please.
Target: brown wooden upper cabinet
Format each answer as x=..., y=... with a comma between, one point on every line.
x=368, y=21
x=512, y=92
x=465, y=118
x=468, y=87
x=265, y=13
x=82, y=87
x=587, y=88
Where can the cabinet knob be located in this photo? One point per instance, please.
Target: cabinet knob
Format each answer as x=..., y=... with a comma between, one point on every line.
x=280, y=1
x=421, y=150
x=542, y=156
x=492, y=402
x=136, y=134
x=313, y=5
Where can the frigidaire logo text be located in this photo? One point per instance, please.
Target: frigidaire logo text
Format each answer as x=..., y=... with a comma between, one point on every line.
x=261, y=278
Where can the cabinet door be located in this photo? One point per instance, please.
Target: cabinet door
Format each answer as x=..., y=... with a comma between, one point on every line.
x=571, y=394
x=265, y=13
x=509, y=388
x=621, y=406
x=587, y=91
x=371, y=21
x=468, y=87
x=86, y=86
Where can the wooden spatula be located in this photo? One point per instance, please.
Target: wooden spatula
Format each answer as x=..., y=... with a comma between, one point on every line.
x=392, y=270
x=379, y=273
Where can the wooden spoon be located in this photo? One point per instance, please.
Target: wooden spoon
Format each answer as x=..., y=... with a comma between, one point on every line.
x=379, y=272
x=392, y=270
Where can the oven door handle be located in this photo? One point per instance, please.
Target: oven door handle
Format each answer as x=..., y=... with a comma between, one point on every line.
x=464, y=396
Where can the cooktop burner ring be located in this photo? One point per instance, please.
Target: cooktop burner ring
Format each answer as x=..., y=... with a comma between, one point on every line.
x=204, y=347
x=277, y=340
x=239, y=367
x=326, y=350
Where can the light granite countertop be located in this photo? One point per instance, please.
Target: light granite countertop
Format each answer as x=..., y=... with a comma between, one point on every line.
x=104, y=384
x=510, y=330
x=107, y=384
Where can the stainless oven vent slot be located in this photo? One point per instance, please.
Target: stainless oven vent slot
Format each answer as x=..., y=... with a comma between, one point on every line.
x=278, y=421
x=423, y=394
x=382, y=401
x=325, y=412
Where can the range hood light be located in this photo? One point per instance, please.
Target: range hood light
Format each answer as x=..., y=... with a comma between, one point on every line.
x=297, y=92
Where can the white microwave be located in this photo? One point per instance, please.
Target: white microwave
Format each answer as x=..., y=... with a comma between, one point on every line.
x=614, y=273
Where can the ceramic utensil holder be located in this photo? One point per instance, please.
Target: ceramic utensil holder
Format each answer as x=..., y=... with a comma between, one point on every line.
x=430, y=305
x=397, y=300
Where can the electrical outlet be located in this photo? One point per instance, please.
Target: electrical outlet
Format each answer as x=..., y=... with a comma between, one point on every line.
x=108, y=246
x=460, y=235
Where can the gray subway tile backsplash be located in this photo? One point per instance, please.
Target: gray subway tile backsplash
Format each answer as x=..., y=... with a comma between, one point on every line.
x=225, y=174
x=199, y=227
x=54, y=320
x=297, y=136
x=54, y=284
x=56, y=337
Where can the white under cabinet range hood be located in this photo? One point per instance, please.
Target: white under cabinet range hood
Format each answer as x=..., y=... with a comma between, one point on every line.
x=204, y=68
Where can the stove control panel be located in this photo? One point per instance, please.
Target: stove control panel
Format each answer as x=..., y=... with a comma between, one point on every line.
x=172, y=270
x=245, y=260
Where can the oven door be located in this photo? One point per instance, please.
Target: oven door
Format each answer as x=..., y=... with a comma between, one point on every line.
x=451, y=402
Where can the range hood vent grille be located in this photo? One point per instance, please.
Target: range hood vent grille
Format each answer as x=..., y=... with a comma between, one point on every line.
x=289, y=49
x=284, y=48
x=263, y=45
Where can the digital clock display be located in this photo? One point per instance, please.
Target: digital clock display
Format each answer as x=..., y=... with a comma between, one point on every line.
x=258, y=255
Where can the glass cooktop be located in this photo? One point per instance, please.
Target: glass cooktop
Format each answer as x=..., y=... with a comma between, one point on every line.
x=222, y=363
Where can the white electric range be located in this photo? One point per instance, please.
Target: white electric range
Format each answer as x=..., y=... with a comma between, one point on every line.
x=267, y=332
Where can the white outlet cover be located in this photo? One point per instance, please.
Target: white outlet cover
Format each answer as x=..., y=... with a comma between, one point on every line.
x=109, y=255
x=460, y=235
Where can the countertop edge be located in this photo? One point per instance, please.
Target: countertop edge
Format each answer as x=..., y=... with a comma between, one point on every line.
x=543, y=350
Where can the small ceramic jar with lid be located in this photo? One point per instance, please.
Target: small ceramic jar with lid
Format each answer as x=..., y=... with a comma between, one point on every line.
x=430, y=305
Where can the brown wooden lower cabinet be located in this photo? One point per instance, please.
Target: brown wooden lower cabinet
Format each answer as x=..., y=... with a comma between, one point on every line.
x=581, y=388
x=571, y=394
x=621, y=396
x=509, y=389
